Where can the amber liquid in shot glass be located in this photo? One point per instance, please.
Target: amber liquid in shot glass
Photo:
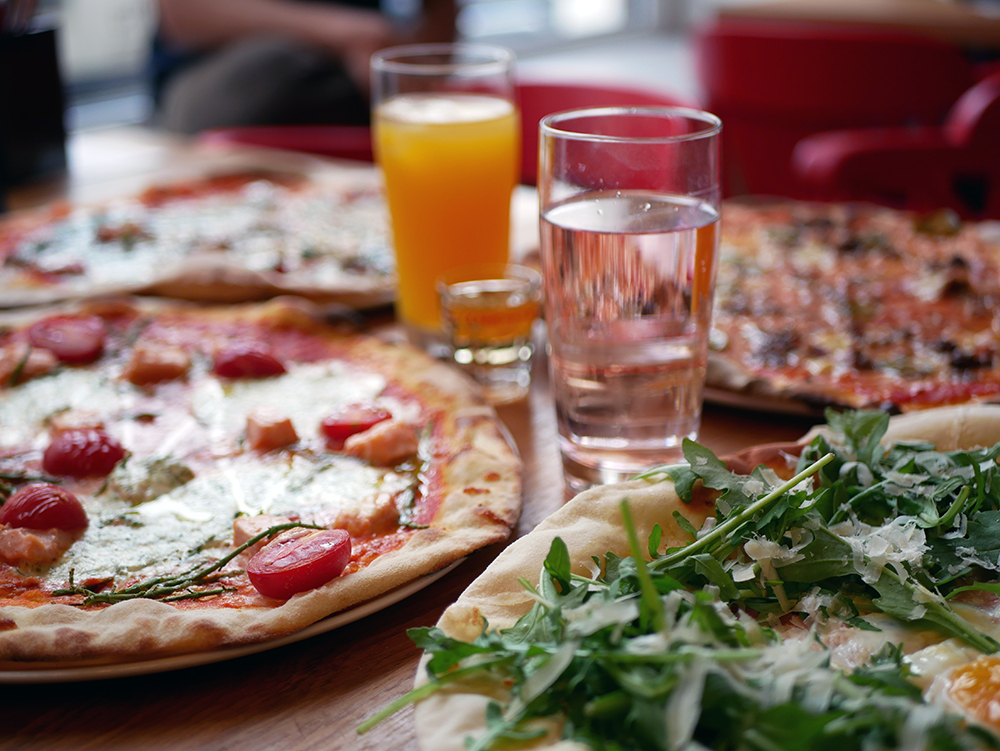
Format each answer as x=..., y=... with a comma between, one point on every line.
x=487, y=316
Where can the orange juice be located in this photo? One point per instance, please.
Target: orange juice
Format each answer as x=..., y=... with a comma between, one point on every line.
x=450, y=164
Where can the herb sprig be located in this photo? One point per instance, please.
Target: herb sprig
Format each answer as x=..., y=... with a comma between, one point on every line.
x=174, y=587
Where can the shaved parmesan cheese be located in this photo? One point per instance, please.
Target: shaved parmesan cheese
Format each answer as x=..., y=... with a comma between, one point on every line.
x=683, y=708
x=899, y=541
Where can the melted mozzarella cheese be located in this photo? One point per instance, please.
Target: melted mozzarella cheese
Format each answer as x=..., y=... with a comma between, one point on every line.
x=176, y=530
x=305, y=394
x=24, y=410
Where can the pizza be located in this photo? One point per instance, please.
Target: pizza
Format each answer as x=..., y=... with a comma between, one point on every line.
x=854, y=306
x=238, y=233
x=836, y=592
x=179, y=478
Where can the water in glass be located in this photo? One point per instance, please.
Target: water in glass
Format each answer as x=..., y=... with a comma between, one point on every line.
x=628, y=298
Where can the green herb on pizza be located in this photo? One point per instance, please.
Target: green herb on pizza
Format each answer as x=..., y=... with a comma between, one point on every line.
x=853, y=606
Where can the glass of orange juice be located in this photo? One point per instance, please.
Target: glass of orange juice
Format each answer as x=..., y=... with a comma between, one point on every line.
x=447, y=137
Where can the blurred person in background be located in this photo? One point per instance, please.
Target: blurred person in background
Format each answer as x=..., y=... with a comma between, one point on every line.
x=228, y=63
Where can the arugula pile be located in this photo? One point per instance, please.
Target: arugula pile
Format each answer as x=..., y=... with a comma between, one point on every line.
x=680, y=651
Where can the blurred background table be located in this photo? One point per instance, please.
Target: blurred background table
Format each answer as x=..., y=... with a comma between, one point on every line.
x=966, y=24
x=311, y=694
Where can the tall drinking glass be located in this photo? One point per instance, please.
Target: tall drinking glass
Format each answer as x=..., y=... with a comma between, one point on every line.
x=448, y=140
x=629, y=202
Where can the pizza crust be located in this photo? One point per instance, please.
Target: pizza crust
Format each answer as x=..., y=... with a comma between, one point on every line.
x=474, y=452
x=590, y=524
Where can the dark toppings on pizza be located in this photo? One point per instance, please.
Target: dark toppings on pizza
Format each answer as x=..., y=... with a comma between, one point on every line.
x=859, y=306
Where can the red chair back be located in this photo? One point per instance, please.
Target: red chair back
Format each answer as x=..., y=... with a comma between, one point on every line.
x=776, y=82
x=336, y=141
x=538, y=99
x=954, y=166
x=974, y=121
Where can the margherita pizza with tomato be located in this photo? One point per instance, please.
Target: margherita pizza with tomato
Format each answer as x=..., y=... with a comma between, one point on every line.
x=178, y=478
x=236, y=235
x=855, y=306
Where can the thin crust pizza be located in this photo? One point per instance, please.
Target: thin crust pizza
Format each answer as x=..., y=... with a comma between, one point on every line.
x=854, y=306
x=178, y=478
x=840, y=591
x=236, y=234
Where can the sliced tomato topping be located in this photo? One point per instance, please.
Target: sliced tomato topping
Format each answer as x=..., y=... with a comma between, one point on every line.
x=82, y=452
x=73, y=339
x=42, y=505
x=299, y=563
x=247, y=360
x=354, y=418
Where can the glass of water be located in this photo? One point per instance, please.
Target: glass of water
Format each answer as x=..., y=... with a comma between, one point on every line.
x=629, y=206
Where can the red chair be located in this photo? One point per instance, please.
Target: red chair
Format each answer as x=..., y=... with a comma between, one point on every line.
x=775, y=82
x=955, y=165
x=536, y=98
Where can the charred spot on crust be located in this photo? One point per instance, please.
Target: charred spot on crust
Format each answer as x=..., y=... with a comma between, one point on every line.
x=865, y=244
x=492, y=517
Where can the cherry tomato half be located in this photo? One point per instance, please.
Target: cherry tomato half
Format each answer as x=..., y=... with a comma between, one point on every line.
x=354, y=418
x=82, y=452
x=246, y=360
x=42, y=505
x=72, y=339
x=293, y=564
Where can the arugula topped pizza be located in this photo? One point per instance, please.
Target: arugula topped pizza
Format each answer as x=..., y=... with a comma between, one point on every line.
x=840, y=592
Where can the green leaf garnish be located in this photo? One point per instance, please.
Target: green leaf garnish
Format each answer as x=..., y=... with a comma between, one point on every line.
x=672, y=649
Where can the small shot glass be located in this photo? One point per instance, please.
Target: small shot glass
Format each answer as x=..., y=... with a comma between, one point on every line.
x=487, y=316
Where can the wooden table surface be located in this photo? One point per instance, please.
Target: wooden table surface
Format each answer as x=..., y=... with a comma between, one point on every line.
x=310, y=694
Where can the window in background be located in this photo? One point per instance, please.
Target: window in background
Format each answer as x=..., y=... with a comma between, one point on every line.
x=103, y=44
x=103, y=55
x=538, y=25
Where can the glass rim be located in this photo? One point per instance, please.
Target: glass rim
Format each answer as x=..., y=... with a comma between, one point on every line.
x=483, y=272
x=494, y=59
x=712, y=124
